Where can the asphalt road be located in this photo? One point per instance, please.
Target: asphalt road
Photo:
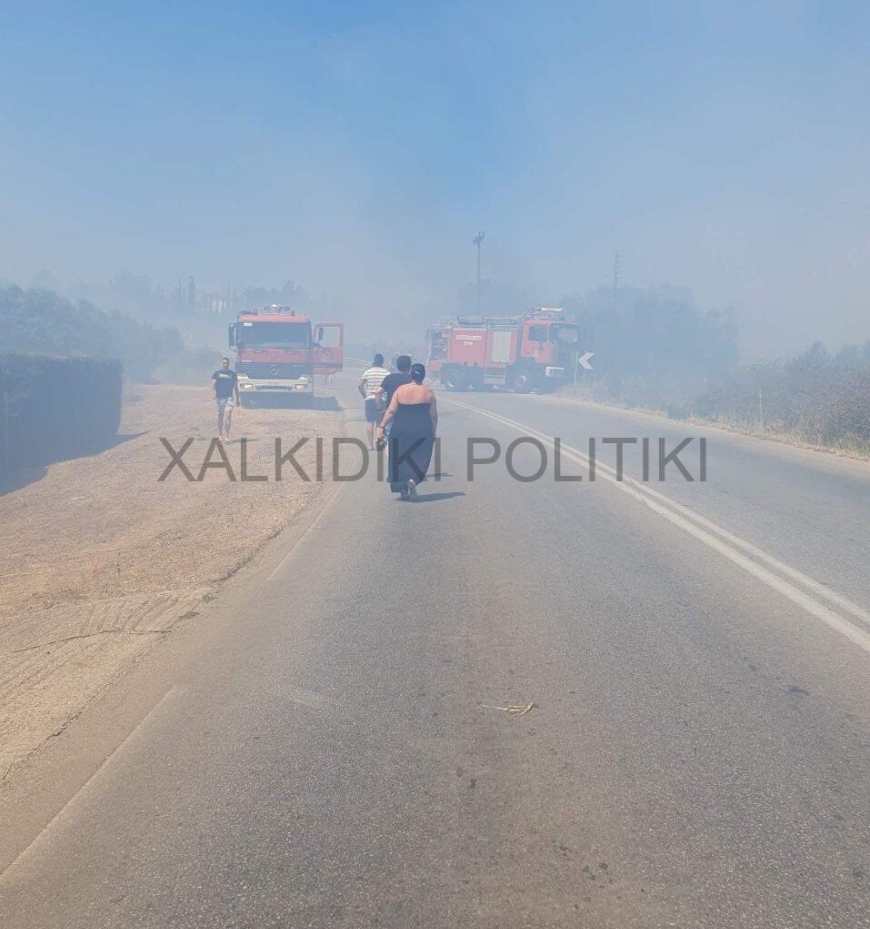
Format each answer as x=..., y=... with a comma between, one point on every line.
x=338, y=748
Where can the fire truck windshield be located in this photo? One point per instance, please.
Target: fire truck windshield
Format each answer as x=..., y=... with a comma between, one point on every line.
x=274, y=335
x=566, y=334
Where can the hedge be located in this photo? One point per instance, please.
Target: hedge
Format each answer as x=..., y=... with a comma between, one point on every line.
x=55, y=408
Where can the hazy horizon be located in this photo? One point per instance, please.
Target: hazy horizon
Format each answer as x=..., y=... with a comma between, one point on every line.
x=356, y=149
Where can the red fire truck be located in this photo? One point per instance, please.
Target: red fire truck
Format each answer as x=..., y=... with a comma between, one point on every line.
x=279, y=353
x=536, y=351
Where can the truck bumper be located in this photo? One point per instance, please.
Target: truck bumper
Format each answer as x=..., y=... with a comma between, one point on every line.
x=299, y=385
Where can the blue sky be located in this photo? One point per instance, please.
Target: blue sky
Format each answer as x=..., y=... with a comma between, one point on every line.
x=357, y=147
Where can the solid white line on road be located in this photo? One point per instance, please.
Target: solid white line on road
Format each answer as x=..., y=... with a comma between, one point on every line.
x=326, y=506
x=60, y=816
x=718, y=539
x=310, y=699
x=818, y=588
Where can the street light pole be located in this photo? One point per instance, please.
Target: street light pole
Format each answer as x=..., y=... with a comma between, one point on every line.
x=478, y=240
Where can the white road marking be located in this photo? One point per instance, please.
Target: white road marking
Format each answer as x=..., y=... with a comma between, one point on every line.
x=818, y=588
x=60, y=816
x=720, y=540
x=310, y=699
x=323, y=510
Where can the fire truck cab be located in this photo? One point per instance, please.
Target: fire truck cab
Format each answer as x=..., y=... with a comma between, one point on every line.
x=280, y=352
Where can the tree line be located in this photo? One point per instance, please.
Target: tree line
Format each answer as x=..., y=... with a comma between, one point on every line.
x=41, y=322
x=655, y=348
x=819, y=397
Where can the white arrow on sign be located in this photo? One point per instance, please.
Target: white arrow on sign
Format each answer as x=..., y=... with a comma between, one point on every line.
x=583, y=360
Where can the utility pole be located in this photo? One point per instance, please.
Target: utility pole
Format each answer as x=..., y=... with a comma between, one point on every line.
x=478, y=241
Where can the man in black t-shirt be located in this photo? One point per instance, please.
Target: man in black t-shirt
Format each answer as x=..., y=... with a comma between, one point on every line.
x=393, y=381
x=400, y=376
x=226, y=394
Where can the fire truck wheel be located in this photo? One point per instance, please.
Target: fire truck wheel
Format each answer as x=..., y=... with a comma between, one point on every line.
x=246, y=402
x=522, y=385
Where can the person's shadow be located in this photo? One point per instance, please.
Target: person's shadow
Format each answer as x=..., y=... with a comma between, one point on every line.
x=435, y=497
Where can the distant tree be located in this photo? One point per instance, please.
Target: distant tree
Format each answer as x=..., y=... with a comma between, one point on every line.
x=45, y=280
x=289, y=294
x=42, y=322
x=822, y=398
x=653, y=346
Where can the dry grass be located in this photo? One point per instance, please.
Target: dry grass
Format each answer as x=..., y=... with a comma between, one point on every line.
x=98, y=559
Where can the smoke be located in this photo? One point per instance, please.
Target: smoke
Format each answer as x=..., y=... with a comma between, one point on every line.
x=358, y=151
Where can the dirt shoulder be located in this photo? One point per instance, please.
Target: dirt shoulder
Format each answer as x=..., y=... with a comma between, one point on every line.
x=99, y=559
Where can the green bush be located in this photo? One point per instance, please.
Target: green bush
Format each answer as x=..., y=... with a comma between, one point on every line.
x=55, y=408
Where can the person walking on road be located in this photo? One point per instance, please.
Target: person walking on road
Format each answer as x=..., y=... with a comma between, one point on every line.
x=402, y=375
x=226, y=394
x=413, y=414
x=370, y=389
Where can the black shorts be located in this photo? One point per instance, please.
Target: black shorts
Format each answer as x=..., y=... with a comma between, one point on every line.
x=374, y=409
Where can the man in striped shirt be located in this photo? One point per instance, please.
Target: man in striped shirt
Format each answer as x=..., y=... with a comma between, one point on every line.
x=370, y=389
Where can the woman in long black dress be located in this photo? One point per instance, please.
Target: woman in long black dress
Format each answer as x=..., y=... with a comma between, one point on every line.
x=414, y=415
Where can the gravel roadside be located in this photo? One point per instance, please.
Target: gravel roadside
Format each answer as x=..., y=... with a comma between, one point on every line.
x=99, y=559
